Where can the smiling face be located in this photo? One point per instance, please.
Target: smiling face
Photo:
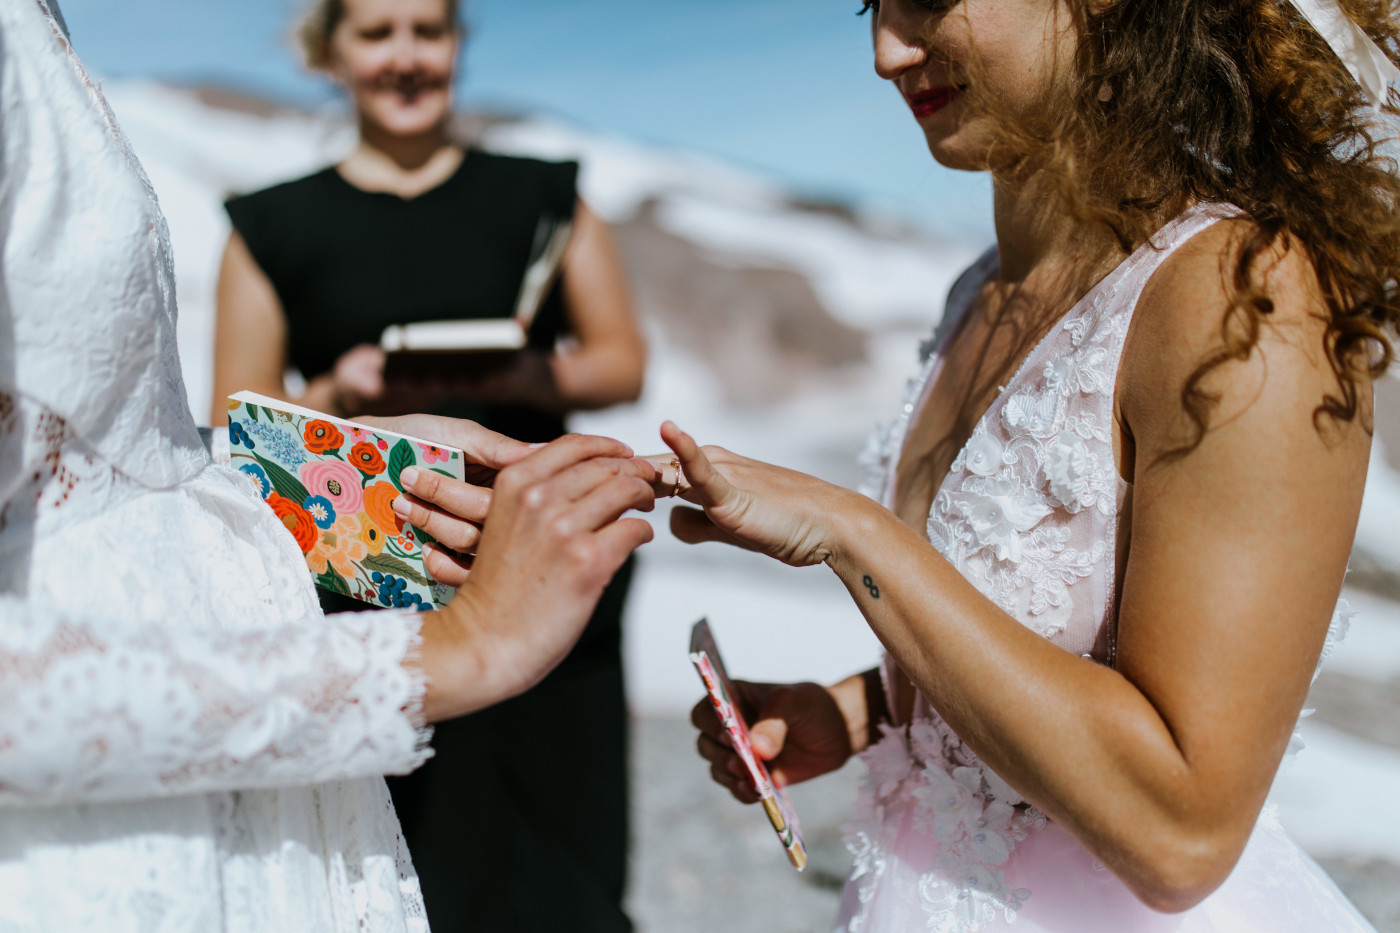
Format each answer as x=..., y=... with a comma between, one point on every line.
x=944, y=56
x=397, y=59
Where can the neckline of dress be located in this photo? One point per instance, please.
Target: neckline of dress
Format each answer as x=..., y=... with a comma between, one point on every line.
x=1163, y=236
x=451, y=179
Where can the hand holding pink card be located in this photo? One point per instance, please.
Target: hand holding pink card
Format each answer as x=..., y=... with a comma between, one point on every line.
x=705, y=656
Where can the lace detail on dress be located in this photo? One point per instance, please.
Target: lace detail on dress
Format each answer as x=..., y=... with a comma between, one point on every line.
x=1042, y=450
x=973, y=816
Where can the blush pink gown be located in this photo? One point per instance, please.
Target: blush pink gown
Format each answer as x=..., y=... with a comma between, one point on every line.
x=1028, y=513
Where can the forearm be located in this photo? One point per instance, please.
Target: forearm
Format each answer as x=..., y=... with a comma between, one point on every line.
x=1075, y=738
x=591, y=377
x=166, y=710
x=321, y=394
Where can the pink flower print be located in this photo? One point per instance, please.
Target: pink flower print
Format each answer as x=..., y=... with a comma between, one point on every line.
x=433, y=454
x=359, y=435
x=336, y=480
x=383, y=444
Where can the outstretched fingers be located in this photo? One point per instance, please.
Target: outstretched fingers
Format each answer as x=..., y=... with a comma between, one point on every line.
x=708, y=487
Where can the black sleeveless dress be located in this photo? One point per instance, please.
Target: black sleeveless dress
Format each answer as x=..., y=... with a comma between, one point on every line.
x=519, y=822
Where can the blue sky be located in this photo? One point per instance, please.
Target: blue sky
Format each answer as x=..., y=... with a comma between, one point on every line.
x=784, y=86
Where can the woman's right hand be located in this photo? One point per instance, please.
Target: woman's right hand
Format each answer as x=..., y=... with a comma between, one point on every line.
x=552, y=540
x=799, y=730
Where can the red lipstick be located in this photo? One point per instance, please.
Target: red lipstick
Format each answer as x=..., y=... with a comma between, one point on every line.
x=927, y=103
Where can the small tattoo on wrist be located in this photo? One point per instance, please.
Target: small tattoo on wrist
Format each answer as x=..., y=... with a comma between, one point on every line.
x=869, y=584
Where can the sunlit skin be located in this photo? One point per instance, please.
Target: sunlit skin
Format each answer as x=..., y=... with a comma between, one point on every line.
x=1234, y=553
x=396, y=60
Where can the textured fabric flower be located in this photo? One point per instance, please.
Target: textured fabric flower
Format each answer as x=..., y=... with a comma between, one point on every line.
x=952, y=801
x=1069, y=465
x=322, y=436
x=337, y=481
x=983, y=454
x=260, y=475
x=378, y=506
x=433, y=453
x=991, y=835
x=1027, y=414
x=1000, y=514
x=321, y=509
x=887, y=763
x=297, y=520
x=367, y=459
x=372, y=535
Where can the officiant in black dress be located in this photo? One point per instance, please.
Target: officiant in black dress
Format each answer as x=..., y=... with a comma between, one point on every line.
x=520, y=820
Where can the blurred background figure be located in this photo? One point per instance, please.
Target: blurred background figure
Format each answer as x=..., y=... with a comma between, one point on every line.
x=414, y=225
x=788, y=243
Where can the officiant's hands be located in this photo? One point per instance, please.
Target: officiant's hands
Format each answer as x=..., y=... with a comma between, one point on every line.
x=800, y=731
x=553, y=536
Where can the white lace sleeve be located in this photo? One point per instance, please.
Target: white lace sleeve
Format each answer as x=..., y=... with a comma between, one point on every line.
x=101, y=712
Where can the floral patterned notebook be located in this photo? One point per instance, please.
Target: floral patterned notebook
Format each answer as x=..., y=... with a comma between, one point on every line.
x=332, y=483
x=705, y=656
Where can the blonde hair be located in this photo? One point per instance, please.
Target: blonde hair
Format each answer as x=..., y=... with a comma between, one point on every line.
x=319, y=23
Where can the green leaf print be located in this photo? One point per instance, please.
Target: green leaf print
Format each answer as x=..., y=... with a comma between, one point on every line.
x=400, y=458
x=284, y=483
x=334, y=582
x=384, y=563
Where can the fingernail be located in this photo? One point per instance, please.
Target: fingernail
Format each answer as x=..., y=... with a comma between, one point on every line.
x=409, y=476
x=401, y=506
x=536, y=446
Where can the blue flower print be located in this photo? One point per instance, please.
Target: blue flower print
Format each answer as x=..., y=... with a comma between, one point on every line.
x=259, y=474
x=322, y=512
x=237, y=436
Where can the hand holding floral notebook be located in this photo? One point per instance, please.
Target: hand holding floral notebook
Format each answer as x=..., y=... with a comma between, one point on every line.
x=332, y=483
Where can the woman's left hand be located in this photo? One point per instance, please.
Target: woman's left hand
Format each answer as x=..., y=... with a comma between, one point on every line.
x=779, y=512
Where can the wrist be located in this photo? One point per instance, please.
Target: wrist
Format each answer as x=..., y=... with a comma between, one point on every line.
x=860, y=698
x=459, y=679
x=851, y=518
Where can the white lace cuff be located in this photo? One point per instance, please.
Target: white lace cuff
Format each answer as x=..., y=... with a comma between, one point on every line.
x=92, y=711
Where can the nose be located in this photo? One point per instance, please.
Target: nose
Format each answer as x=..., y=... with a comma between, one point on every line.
x=898, y=43
x=405, y=50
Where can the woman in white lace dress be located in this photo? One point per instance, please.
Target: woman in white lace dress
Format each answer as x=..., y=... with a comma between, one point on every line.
x=186, y=742
x=1111, y=522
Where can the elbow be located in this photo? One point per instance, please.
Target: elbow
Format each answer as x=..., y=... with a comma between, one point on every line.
x=1176, y=873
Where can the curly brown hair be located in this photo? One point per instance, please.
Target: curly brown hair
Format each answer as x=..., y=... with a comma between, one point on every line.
x=319, y=22
x=1238, y=102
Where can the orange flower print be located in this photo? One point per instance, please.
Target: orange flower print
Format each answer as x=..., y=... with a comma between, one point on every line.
x=378, y=497
x=297, y=520
x=321, y=436
x=340, y=547
x=371, y=535
x=367, y=459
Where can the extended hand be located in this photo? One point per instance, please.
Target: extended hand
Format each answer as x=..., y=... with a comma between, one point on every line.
x=798, y=729
x=754, y=505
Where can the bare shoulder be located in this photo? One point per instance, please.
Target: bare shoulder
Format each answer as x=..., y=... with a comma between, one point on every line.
x=1269, y=368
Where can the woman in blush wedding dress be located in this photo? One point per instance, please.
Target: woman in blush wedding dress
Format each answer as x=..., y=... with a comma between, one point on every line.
x=186, y=742
x=1104, y=540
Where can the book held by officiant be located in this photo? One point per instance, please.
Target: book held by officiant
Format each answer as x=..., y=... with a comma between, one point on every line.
x=440, y=346
x=332, y=483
